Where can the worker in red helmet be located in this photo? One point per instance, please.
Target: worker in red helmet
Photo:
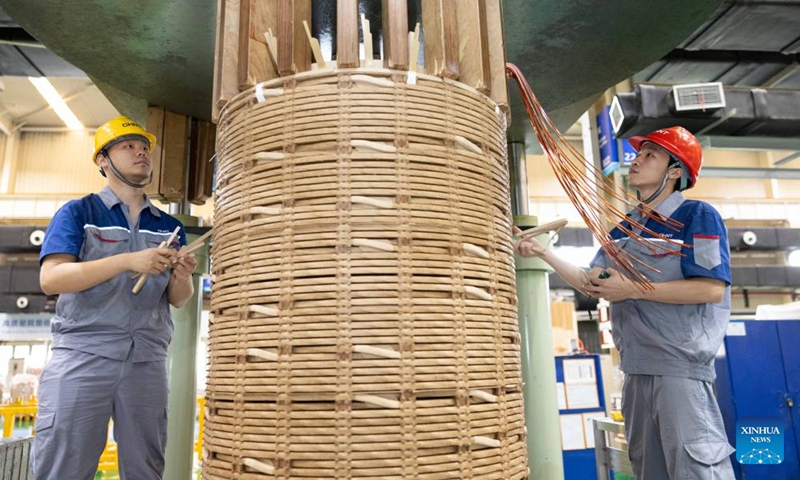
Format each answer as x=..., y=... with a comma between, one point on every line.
x=668, y=336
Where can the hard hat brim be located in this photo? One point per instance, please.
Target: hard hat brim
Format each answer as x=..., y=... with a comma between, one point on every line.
x=151, y=139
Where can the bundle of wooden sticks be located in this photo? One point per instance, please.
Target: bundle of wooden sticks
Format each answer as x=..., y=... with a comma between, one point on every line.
x=185, y=250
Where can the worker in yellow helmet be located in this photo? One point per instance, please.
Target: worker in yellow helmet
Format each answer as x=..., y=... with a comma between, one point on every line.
x=109, y=343
x=115, y=132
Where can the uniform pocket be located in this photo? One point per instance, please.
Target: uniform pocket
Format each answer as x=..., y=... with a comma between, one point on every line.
x=663, y=256
x=104, y=242
x=44, y=421
x=707, y=460
x=153, y=240
x=706, y=251
x=42, y=455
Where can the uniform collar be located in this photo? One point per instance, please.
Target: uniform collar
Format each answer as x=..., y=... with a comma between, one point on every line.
x=110, y=199
x=664, y=209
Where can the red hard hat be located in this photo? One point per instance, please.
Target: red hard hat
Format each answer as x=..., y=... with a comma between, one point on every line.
x=681, y=144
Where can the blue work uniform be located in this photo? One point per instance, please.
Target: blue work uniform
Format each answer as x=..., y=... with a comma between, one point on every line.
x=672, y=420
x=109, y=348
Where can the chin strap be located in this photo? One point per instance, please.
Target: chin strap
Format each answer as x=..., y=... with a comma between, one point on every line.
x=121, y=176
x=672, y=164
x=656, y=193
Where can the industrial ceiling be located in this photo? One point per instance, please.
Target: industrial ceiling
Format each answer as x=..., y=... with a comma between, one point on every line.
x=162, y=52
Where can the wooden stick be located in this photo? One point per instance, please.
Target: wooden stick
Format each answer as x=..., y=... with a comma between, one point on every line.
x=483, y=395
x=315, y=50
x=163, y=244
x=377, y=401
x=554, y=226
x=413, y=49
x=486, y=441
x=262, y=354
x=188, y=248
x=197, y=243
x=367, y=34
x=260, y=466
x=272, y=47
x=376, y=351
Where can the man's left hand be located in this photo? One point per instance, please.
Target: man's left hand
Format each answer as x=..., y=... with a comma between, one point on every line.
x=615, y=288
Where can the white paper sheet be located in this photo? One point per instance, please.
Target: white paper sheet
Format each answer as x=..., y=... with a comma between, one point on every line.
x=572, y=437
x=582, y=396
x=579, y=370
x=588, y=427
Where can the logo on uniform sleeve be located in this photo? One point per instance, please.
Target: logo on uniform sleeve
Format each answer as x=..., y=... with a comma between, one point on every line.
x=706, y=251
x=759, y=440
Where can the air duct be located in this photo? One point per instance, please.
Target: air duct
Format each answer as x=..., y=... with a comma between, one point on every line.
x=747, y=112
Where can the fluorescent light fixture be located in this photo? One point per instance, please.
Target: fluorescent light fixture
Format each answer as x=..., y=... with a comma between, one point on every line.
x=50, y=94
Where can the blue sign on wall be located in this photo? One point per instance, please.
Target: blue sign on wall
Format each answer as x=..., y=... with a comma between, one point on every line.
x=609, y=156
x=628, y=153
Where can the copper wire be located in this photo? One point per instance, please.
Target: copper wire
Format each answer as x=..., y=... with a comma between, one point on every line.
x=584, y=187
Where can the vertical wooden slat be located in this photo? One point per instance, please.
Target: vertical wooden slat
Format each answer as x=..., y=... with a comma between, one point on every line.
x=497, y=53
x=245, y=81
x=254, y=64
x=395, y=34
x=154, y=123
x=294, y=54
x=226, y=54
x=441, y=37
x=473, y=44
x=175, y=155
x=302, y=50
x=217, y=82
x=201, y=169
x=285, y=36
x=347, y=34
x=208, y=153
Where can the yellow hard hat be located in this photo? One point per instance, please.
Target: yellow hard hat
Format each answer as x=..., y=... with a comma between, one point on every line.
x=117, y=129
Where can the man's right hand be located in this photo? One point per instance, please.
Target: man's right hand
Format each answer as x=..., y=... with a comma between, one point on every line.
x=529, y=246
x=152, y=260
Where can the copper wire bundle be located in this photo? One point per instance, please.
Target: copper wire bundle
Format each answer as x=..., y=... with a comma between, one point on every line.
x=582, y=189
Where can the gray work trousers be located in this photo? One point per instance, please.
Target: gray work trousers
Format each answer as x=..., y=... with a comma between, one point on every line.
x=674, y=429
x=78, y=394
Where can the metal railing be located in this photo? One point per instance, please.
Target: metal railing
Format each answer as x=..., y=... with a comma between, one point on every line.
x=607, y=456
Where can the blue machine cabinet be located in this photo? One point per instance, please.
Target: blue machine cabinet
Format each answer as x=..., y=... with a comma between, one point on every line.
x=758, y=375
x=580, y=464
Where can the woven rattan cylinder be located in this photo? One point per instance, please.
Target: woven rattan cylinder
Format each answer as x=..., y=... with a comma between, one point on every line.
x=363, y=310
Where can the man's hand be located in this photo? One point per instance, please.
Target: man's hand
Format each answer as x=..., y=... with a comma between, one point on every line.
x=184, y=266
x=152, y=261
x=614, y=288
x=527, y=247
